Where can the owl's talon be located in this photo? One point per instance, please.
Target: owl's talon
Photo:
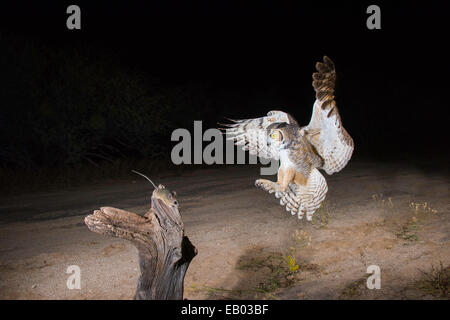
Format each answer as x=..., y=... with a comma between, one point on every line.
x=300, y=212
x=258, y=183
x=266, y=185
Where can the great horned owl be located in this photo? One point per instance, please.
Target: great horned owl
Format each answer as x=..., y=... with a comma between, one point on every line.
x=322, y=144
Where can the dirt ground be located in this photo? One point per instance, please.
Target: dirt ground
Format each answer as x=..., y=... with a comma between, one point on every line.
x=390, y=215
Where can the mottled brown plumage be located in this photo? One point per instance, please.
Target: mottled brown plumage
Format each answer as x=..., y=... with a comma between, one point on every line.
x=322, y=144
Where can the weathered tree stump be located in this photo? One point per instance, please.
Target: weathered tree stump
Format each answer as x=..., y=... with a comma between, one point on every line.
x=164, y=251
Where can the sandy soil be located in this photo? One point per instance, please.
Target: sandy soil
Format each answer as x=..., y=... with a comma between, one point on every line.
x=248, y=246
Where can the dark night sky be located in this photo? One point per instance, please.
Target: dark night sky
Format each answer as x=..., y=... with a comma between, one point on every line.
x=394, y=78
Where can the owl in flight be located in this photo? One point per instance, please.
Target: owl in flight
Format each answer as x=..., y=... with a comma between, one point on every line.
x=302, y=150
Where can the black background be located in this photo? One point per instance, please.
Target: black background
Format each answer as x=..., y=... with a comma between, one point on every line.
x=392, y=85
x=277, y=309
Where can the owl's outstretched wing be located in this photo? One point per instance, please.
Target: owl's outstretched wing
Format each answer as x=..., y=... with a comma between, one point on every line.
x=325, y=130
x=251, y=134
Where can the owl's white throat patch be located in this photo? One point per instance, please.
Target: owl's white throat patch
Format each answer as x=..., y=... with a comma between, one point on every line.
x=285, y=162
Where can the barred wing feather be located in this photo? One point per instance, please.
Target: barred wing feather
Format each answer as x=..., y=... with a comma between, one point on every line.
x=300, y=199
x=251, y=134
x=325, y=130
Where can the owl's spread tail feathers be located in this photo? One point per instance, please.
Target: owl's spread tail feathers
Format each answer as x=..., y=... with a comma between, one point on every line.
x=312, y=195
x=300, y=199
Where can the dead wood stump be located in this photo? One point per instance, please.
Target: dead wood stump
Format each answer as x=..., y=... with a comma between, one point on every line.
x=164, y=251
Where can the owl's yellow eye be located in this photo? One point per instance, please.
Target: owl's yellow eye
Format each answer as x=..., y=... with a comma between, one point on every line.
x=274, y=135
